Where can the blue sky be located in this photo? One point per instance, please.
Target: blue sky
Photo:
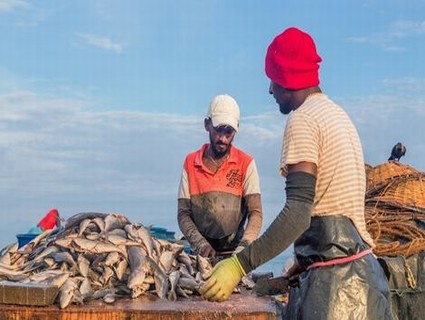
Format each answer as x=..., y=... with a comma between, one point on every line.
x=101, y=100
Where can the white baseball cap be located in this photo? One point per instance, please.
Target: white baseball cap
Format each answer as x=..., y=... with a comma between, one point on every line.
x=224, y=111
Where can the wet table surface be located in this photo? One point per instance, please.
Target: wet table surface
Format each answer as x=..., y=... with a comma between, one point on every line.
x=239, y=306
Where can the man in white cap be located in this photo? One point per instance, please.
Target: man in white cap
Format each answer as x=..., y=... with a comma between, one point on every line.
x=219, y=200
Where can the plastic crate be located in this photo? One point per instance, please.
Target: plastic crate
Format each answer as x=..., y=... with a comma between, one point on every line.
x=24, y=238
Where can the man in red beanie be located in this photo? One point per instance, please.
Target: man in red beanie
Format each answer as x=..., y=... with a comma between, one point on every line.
x=322, y=161
x=49, y=221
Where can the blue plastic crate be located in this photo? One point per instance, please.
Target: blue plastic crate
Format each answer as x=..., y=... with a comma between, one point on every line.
x=24, y=238
x=170, y=235
x=163, y=233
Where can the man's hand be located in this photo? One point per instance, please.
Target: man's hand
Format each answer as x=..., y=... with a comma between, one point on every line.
x=223, y=280
x=206, y=251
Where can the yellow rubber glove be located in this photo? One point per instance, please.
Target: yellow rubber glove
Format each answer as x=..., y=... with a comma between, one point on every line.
x=223, y=280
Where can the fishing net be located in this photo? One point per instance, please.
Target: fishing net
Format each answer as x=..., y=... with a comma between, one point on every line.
x=395, y=218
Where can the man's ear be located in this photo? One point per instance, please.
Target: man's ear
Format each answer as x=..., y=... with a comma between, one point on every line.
x=207, y=123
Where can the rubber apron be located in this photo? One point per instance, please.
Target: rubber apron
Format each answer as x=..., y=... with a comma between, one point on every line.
x=352, y=290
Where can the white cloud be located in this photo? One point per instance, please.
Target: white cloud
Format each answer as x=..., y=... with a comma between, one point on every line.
x=384, y=41
x=101, y=42
x=10, y=5
x=393, y=115
x=389, y=39
x=58, y=152
x=407, y=28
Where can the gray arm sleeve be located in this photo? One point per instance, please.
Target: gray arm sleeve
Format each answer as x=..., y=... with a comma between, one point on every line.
x=290, y=223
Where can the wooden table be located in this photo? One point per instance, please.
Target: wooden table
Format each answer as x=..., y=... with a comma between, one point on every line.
x=240, y=306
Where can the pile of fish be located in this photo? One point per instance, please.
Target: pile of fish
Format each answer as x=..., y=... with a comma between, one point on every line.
x=104, y=256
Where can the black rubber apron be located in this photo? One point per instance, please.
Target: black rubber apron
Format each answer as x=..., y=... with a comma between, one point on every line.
x=353, y=290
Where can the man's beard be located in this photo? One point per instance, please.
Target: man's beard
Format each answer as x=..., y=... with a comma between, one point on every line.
x=218, y=153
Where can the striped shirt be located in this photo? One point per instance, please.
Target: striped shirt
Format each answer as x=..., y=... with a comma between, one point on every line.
x=320, y=131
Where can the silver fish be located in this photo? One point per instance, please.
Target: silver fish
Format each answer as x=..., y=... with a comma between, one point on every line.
x=41, y=276
x=150, y=279
x=138, y=265
x=56, y=280
x=118, y=240
x=77, y=218
x=6, y=251
x=6, y=272
x=100, y=222
x=189, y=283
x=158, y=248
x=109, y=297
x=86, y=289
x=84, y=245
x=99, y=294
x=139, y=290
x=171, y=246
x=34, y=261
x=174, y=279
x=105, y=251
x=106, y=275
x=140, y=233
x=161, y=279
x=93, y=236
x=115, y=221
x=63, y=257
x=49, y=262
x=66, y=293
x=203, y=264
x=183, y=292
x=117, y=232
x=83, y=265
x=120, y=268
x=66, y=243
x=166, y=261
x=183, y=269
x=112, y=258
x=83, y=225
x=184, y=258
x=10, y=267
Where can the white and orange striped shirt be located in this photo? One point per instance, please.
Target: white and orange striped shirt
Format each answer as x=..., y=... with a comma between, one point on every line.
x=321, y=132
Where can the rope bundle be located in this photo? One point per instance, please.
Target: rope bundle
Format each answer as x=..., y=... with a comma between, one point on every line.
x=395, y=209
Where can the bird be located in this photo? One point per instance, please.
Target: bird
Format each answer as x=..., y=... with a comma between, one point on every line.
x=397, y=152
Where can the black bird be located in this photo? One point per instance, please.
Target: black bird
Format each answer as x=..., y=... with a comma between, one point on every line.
x=397, y=152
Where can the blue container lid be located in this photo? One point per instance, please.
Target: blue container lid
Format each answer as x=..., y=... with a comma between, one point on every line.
x=24, y=238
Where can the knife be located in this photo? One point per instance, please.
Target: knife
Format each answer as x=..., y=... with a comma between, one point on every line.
x=271, y=286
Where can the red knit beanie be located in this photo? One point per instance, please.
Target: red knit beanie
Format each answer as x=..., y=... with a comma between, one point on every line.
x=292, y=60
x=50, y=220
